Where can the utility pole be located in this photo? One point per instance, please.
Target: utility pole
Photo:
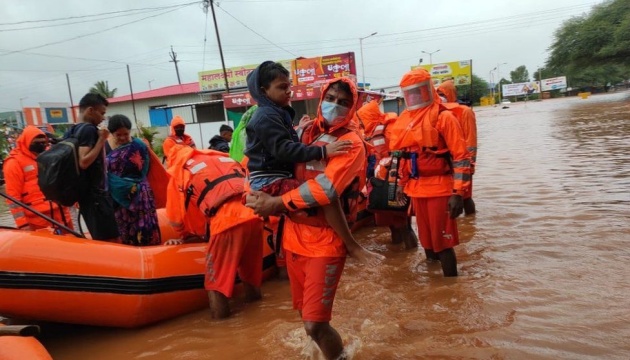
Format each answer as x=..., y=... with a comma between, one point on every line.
x=210, y=3
x=74, y=117
x=174, y=60
x=540, y=82
x=133, y=103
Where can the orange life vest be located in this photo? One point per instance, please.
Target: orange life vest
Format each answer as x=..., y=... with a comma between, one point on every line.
x=213, y=181
x=306, y=171
x=380, y=145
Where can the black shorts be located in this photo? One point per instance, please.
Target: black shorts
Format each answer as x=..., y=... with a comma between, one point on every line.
x=98, y=213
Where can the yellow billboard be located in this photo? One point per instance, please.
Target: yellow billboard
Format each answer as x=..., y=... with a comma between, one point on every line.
x=237, y=76
x=459, y=71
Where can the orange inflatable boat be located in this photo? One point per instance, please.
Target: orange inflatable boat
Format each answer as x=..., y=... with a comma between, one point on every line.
x=65, y=279
x=21, y=347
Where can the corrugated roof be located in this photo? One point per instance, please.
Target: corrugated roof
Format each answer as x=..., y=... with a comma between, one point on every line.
x=190, y=88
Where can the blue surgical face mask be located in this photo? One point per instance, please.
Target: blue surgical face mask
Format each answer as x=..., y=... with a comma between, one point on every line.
x=333, y=113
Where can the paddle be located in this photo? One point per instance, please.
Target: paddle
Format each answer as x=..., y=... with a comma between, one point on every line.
x=53, y=221
x=19, y=330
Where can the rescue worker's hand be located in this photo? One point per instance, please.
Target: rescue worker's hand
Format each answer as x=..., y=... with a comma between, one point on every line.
x=264, y=204
x=338, y=148
x=455, y=206
x=174, y=242
x=103, y=133
x=401, y=199
x=305, y=122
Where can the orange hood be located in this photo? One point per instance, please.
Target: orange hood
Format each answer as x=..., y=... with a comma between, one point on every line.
x=349, y=122
x=24, y=141
x=177, y=120
x=416, y=127
x=449, y=90
x=370, y=115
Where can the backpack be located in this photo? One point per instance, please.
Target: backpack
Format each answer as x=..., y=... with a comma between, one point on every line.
x=58, y=170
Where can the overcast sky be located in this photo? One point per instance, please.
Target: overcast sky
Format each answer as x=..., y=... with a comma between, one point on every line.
x=35, y=59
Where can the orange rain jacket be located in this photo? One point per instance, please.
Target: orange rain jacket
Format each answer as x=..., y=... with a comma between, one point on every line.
x=339, y=174
x=173, y=139
x=466, y=117
x=426, y=131
x=20, y=172
x=188, y=167
x=377, y=132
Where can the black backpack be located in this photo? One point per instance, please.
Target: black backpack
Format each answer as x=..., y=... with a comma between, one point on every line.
x=58, y=170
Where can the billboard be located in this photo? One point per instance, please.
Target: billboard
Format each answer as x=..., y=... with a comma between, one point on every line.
x=524, y=88
x=237, y=76
x=555, y=83
x=318, y=70
x=459, y=71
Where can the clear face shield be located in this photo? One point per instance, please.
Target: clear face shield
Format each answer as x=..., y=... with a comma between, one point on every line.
x=418, y=95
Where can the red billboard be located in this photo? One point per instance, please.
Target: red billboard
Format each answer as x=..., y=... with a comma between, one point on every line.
x=238, y=100
x=318, y=70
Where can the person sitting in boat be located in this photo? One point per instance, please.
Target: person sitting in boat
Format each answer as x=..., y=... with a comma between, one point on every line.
x=127, y=168
x=20, y=171
x=204, y=192
x=177, y=137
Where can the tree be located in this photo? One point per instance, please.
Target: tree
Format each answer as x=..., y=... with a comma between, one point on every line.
x=479, y=89
x=519, y=75
x=102, y=87
x=592, y=49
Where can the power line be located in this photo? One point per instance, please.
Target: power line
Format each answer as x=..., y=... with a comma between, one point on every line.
x=96, y=15
x=76, y=22
x=89, y=34
x=255, y=32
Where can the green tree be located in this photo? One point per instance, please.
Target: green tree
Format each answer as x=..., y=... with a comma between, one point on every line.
x=520, y=74
x=592, y=49
x=479, y=88
x=102, y=87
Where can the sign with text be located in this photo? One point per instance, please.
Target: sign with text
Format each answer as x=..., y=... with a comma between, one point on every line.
x=459, y=71
x=237, y=76
x=318, y=70
x=555, y=83
x=524, y=88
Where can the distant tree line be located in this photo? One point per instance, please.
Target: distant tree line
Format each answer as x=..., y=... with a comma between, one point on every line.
x=593, y=49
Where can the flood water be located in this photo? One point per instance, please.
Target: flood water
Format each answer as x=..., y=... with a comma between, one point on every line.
x=544, y=264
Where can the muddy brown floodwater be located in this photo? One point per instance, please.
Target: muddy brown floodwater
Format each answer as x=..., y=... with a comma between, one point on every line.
x=544, y=265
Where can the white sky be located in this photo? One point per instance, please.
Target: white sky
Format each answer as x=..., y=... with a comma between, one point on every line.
x=489, y=32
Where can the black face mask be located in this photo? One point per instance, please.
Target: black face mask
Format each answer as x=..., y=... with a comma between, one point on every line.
x=179, y=132
x=37, y=147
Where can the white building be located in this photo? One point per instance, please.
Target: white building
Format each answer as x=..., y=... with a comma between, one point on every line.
x=203, y=112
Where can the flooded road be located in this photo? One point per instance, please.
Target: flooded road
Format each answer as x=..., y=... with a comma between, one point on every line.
x=544, y=264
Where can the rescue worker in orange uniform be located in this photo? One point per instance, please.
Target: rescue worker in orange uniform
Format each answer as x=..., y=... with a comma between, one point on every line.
x=316, y=255
x=20, y=171
x=177, y=137
x=205, y=192
x=468, y=123
x=434, y=166
x=377, y=132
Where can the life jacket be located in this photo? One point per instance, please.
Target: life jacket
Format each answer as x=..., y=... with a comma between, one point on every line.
x=213, y=180
x=432, y=160
x=33, y=197
x=380, y=145
x=350, y=198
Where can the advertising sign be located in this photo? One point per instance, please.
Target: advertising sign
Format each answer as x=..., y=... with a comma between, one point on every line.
x=318, y=70
x=237, y=76
x=459, y=71
x=524, y=88
x=238, y=100
x=555, y=83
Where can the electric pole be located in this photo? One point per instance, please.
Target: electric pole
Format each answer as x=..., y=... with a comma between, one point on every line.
x=174, y=60
x=210, y=3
